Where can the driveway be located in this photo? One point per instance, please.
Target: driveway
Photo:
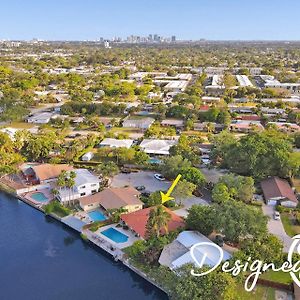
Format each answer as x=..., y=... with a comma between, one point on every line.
x=144, y=178
x=275, y=227
x=188, y=203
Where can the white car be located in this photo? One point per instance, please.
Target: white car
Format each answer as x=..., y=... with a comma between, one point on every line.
x=276, y=215
x=159, y=177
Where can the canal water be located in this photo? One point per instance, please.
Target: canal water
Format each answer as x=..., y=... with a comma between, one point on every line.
x=42, y=259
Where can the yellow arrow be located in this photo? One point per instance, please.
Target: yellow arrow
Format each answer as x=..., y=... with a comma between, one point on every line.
x=166, y=197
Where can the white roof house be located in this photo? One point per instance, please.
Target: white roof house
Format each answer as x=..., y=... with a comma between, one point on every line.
x=85, y=184
x=41, y=118
x=243, y=80
x=114, y=143
x=142, y=123
x=159, y=147
x=87, y=156
x=177, y=85
x=10, y=132
x=178, y=252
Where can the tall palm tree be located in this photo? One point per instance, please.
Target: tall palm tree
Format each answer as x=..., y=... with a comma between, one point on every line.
x=70, y=182
x=158, y=219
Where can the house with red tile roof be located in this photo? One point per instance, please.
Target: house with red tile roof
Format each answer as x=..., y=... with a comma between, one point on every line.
x=279, y=190
x=137, y=221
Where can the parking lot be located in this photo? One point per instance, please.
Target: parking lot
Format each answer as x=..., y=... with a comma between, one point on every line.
x=140, y=178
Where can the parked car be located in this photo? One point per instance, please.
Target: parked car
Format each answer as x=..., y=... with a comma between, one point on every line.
x=197, y=193
x=140, y=188
x=125, y=171
x=159, y=177
x=146, y=194
x=219, y=240
x=276, y=215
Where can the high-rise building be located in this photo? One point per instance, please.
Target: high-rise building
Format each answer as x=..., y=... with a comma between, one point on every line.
x=173, y=38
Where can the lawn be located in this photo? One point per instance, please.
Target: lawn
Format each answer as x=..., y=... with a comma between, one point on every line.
x=259, y=292
x=296, y=183
x=288, y=225
x=279, y=277
x=21, y=125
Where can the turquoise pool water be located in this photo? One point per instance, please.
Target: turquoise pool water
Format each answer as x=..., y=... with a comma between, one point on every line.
x=115, y=235
x=97, y=215
x=154, y=161
x=40, y=197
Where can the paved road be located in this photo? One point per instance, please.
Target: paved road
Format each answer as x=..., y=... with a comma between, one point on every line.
x=188, y=203
x=275, y=227
x=141, y=178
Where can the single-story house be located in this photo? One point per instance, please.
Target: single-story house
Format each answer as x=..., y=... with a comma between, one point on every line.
x=286, y=127
x=141, y=123
x=279, y=190
x=41, y=118
x=87, y=156
x=85, y=184
x=245, y=126
x=115, y=143
x=113, y=198
x=173, y=122
x=178, y=252
x=45, y=173
x=157, y=147
x=137, y=221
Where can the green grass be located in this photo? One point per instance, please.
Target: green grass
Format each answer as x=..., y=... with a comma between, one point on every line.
x=21, y=125
x=288, y=225
x=259, y=292
x=279, y=277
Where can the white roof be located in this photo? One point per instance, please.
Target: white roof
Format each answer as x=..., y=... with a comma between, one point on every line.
x=177, y=84
x=114, y=143
x=157, y=146
x=190, y=238
x=87, y=155
x=244, y=80
x=83, y=176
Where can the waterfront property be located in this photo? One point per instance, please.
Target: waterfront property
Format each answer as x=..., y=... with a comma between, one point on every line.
x=178, y=252
x=115, y=235
x=97, y=215
x=137, y=221
x=85, y=184
x=40, y=197
x=113, y=198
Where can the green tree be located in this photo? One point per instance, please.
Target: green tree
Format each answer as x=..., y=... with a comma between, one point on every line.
x=158, y=220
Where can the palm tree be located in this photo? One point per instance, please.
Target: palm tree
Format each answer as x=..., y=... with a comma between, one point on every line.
x=70, y=182
x=158, y=219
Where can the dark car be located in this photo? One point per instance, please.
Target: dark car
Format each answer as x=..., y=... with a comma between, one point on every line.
x=197, y=193
x=125, y=171
x=140, y=188
x=145, y=194
x=219, y=240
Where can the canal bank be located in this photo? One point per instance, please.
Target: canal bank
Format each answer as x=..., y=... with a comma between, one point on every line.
x=29, y=245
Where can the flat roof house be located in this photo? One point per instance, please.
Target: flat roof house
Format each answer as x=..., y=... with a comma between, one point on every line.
x=173, y=122
x=157, y=147
x=85, y=184
x=115, y=143
x=41, y=118
x=141, y=123
x=137, y=221
x=276, y=190
x=178, y=252
x=113, y=198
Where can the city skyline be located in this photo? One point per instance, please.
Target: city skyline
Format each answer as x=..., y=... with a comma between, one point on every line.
x=193, y=20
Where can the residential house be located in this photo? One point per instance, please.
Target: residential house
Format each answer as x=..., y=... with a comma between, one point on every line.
x=113, y=198
x=85, y=184
x=286, y=127
x=137, y=221
x=157, y=147
x=41, y=118
x=140, y=123
x=277, y=190
x=115, y=143
x=87, y=156
x=44, y=173
x=178, y=252
x=245, y=126
x=178, y=124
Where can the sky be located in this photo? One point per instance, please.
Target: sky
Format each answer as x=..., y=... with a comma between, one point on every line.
x=186, y=19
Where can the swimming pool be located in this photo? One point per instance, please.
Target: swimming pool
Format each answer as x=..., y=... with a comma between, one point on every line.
x=97, y=215
x=115, y=235
x=154, y=161
x=39, y=197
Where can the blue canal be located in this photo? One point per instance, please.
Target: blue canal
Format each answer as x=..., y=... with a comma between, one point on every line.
x=42, y=259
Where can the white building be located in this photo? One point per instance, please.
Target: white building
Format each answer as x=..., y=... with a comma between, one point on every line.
x=87, y=156
x=85, y=184
x=114, y=143
x=41, y=118
x=178, y=252
x=244, y=81
x=141, y=123
x=157, y=147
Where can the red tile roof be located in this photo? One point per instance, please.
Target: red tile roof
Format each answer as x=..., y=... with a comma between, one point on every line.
x=249, y=117
x=137, y=221
x=275, y=187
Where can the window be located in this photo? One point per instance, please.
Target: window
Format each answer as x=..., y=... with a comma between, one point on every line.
x=82, y=194
x=94, y=191
x=82, y=187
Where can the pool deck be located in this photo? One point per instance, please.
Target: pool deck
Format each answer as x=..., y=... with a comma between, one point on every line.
x=131, y=237
x=48, y=194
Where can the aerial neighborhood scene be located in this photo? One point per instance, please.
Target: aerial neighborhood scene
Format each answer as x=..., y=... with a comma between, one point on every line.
x=131, y=162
